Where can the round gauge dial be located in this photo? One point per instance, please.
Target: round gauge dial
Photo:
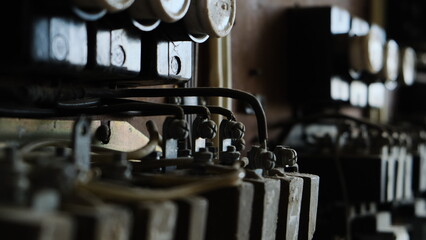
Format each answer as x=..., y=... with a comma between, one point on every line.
x=375, y=51
x=391, y=64
x=109, y=5
x=212, y=17
x=170, y=10
x=165, y=10
x=367, y=52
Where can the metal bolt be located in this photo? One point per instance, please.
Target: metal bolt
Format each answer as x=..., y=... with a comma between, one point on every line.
x=118, y=56
x=175, y=65
x=211, y=148
x=59, y=47
x=203, y=156
x=286, y=156
x=230, y=156
x=231, y=149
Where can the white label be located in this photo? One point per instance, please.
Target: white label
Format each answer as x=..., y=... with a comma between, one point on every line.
x=359, y=94
x=340, y=20
x=376, y=95
x=339, y=89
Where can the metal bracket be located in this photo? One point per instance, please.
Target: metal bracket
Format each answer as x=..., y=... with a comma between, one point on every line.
x=82, y=145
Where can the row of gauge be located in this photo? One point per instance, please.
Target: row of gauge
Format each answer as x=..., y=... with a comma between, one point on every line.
x=205, y=17
x=351, y=60
x=71, y=39
x=372, y=176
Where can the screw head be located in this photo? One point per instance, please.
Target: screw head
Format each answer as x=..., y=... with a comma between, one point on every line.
x=118, y=56
x=175, y=65
x=231, y=149
x=203, y=156
x=230, y=156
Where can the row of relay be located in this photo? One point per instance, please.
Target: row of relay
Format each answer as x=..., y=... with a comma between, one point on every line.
x=59, y=46
x=371, y=175
x=124, y=200
x=350, y=60
x=190, y=189
x=54, y=39
x=180, y=184
x=379, y=165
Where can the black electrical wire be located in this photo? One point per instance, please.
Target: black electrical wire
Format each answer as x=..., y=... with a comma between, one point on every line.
x=95, y=107
x=199, y=110
x=20, y=112
x=192, y=109
x=39, y=95
x=45, y=95
x=153, y=109
x=191, y=92
x=222, y=111
x=188, y=109
x=142, y=108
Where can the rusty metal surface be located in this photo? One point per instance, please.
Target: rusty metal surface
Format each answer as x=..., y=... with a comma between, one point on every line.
x=308, y=216
x=265, y=208
x=289, y=207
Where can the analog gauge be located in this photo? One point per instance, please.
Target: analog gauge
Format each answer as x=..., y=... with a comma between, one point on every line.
x=391, y=64
x=212, y=17
x=408, y=66
x=165, y=10
x=367, y=52
x=374, y=60
x=109, y=5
